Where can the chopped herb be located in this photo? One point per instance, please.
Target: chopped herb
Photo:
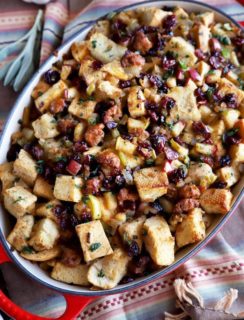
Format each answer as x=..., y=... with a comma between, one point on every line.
x=135, y=237
x=169, y=125
x=61, y=158
x=210, y=92
x=86, y=99
x=94, y=44
x=223, y=39
x=226, y=53
x=92, y=120
x=144, y=232
x=168, y=74
x=232, y=132
x=94, y=246
x=40, y=166
x=85, y=199
x=27, y=250
x=39, y=93
x=182, y=65
x=211, y=72
x=19, y=199
x=126, y=238
x=100, y=274
x=53, y=121
x=49, y=206
x=149, y=162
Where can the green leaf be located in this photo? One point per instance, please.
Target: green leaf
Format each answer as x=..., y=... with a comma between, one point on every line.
x=226, y=53
x=94, y=44
x=27, y=250
x=182, y=65
x=101, y=274
x=94, y=246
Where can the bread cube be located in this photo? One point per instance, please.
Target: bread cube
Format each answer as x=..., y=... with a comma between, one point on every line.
x=7, y=179
x=93, y=240
x=132, y=231
x=200, y=174
x=18, y=201
x=191, y=229
x=184, y=49
x=6, y=167
x=240, y=126
x=237, y=152
x=87, y=71
x=216, y=201
x=136, y=102
x=46, y=210
x=107, y=272
x=45, y=255
x=43, y=101
x=45, y=234
x=230, y=116
x=82, y=109
x=125, y=146
x=202, y=37
x=45, y=127
x=79, y=50
x=75, y=275
x=229, y=175
x=130, y=161
x=151, y=183
x=39, y=89
x=104, y=49
x=207, y=18
x=105, y=90
x=68, y=188
x=43, y=189
x=21, y=232
x=186, y=105
x=134, y=124
x=25, y=167
x=152, y=16
x=159, y=241
x=227, y=87
x=79, y=131
x=203, y=148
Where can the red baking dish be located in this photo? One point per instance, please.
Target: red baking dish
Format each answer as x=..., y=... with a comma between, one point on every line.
x=78, y=297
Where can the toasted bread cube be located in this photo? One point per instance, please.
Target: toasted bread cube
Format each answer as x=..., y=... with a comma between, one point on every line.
x=151, y=183
x=45, y=234
x=226, y=87
x=216, y=201
x=191, y=229
x=47, y=255
x=75, y=275
x=21, y=232
x=115, y=69
x=240, y=125
x=132, y=231
x=202, y=68
x=82, y=109
x=106, y=90
x=152, y=16
x=6, y=167
x=184, y=49
x=18, y=201
x=207, y=18
x=230, y=117
x=178, y=127
x=159, y=241
x=237, y=152
x=136, y=102
x=43, y=102
x=186, y=105
x=79, y=131
x=87, y=71
x=125, y=146
x=6, y=176
x=203, y=148
x=25, y=167
x=43, y=189
x=46, y=210
x=79, y=50
x=93, y=240
x=39, y=89
x=200, y=174
x=129, y=160
x=104, y=49
x=45, y=127
x=202, y=37
x=68, y=188
x=107, y=272
x=229, y=175
x=134, y=124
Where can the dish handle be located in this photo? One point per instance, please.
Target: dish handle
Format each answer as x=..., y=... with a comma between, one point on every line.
x=75, y=304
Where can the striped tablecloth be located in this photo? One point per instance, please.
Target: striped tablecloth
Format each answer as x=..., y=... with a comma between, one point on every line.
x=212, y=271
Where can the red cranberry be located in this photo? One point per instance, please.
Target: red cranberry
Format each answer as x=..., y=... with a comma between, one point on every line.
x=133, y=249
x=127, y=279
x=59, y=166
x=158, y=142
x=201, y=97
x=167, y=103
x=231, y=100
x=51, y=76
x=169, y=22
x=96, y=65
x=124, y=84
x=80, y=146
x=13, y=152
x=85, y=217
x=74, y=220
x=119, y=180
x=200, y=128
x=168, y=62
x=139, y=265
x=170, y=154
x=216, y=61
x=238, y=41
x=177, y=175
x=37, y=152
x=225, y=161
x=219, y=185
x=200, y=54
x=231, y=137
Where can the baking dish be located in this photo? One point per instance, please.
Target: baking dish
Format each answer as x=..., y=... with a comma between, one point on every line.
x=78, y=297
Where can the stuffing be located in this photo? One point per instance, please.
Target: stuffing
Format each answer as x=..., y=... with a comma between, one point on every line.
x=82, y=109
x=45, y=127
x=152, y=17
x=216, y=201
x=151, y=183
x=43, y=189
x=229, y=175
x=158, y=240
x=18, y=201
x=93, y=240
x=200, y=174
x=237, y=152
x=44, y=255
x=68, y=188
x=74, y=275
x=106, y=90
x=94, y=134
x=136, y=102
x=227, y=87
x=110, y=162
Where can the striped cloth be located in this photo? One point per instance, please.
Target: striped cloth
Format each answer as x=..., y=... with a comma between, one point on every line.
x=212, y=271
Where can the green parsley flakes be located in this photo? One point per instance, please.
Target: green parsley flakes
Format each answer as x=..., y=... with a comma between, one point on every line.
x=94, y=246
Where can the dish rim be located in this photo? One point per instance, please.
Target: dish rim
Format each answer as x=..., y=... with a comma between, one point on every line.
x=157, y=274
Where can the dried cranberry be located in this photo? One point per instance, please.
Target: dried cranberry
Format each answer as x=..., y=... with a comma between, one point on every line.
x=231, y=100
x=228, y=66
x=201, y=97
x=65, y=125
x=119, y=32
x=51, y=76
x=139, y=265
x=13, y=152
x=59, y=166
x=177, y=175
x=158, y=142
x=133, y=249
x=119, y=180
x=62, y=215
x=111, y=125
x=153, y=115
x=157, y=206
x=219, y=185
x=36, y=152
x=170, y=154
x=200, y=128
x=200, y=54
x=85, y=217
x=144, y=149
x=108, y=184
x=208, y=160
x=157, y=82
x=129, y=205
x=168, y=62
x=34, y=113
x=238, y=40
x=167, y=103
x=126, y=279
x=124, y=84
x=74, y=220
x=96, y=65
x=80, y=146
x=231, y=137
x=225, y=161
x=169, y=22
x=216, y=61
